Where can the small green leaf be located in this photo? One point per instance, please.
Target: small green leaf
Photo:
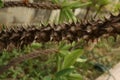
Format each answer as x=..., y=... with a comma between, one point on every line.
x=36, y=45
x=62, y=16
x=81, y=60
x=72, y=16
x=64, y=46
x=64, y=52
x=75, y=4
x=64, y=72
x=55, y=1
x=47, y=78
x=71, y=58
x=59, y=63
x=103, y=2
x=68, y=16
x=75, y=77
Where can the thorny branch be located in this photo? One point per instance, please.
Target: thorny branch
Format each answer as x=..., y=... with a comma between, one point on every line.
x=49, y=6
x=19, y=36
x=22, y=58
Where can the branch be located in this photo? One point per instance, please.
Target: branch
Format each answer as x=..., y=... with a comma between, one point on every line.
x=25, y=57
x=20, y=35
x=49, y=6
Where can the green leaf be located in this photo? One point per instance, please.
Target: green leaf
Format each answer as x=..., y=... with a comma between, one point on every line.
x=64, y=72
x=47, y=78
x=64, y=52
x=59, y=62
x=36, y=45
x=64, y=46
x=55, y=1
x=72, y=16
x=75, y=77
x=103, y=2
x=75, y=4
x=81, y=60
x=67, y=15
x=71, y=58
x=62, y=16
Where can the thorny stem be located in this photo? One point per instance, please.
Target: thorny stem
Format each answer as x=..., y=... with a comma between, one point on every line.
x=87, y=12
x=19, y=36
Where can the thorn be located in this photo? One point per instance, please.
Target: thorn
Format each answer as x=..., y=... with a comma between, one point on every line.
x=92, y=19
x=81, y=21
x=115, y=37
x=106, y=19
x=111, y=15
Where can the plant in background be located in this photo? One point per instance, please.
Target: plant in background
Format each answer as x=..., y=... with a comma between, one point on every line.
x=65, y=61
x=117, y=7
x=100, y=4
x=1, y=3
x=66, y=13
x=95, y=6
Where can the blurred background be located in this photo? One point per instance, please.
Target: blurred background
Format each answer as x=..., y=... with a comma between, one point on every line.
x=25, y=15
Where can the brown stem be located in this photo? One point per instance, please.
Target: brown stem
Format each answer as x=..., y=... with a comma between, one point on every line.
x=49, y=6
x=25, y=57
